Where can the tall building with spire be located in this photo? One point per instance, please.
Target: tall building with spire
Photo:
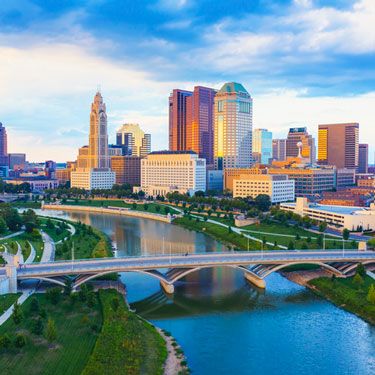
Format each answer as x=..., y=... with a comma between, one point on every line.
x=3, y=146
x=93, y=166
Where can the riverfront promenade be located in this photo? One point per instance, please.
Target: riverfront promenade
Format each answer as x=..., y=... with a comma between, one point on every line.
x=256, y=265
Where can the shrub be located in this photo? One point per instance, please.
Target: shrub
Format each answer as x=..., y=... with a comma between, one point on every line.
x=115, y=303
x=51, y=333
x=38, y=326
x=20, y=341
x=17, y=313
x=53, y=295
x=5, y=342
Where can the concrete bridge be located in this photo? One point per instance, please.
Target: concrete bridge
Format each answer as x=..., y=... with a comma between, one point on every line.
x=168, y=269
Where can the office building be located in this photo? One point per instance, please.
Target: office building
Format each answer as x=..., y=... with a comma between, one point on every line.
x=363, y=158
x=262, y=146
x=338, y=145
x=351, y=218
x=50, y=169
x=231, y=173
x=133, y=140
x=215, y=180
x=63, y=175
x=114, y=150
x=93, y=170
x=191, y=116
x=345, y=177
x=307, y=150
x=17, y=161
x=168, y=171
x=233, y=125
x=3, y=146
x=127, y=169
x=279, y=149
x=278, y=187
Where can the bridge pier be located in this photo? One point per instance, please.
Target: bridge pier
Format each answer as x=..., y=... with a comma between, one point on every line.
x=168, y=288
x=257, y=281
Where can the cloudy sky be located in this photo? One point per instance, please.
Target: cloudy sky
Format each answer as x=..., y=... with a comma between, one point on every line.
x=304, y=62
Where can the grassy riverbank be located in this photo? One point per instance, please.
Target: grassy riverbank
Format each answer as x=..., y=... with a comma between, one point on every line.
x=219, y=233
x=346, y=294
x=126, y=343
x=76, y=333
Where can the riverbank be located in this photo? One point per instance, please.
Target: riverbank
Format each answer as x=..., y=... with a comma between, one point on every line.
x=111, y=211
x=342, y=292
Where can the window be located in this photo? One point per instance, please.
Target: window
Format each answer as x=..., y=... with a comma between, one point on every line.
x=220, y=106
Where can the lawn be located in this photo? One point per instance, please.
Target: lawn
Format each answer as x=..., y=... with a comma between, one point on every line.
x=7, y=300
x=144, y=207
x=126, y=344
x=219, y=233
x=342, y=292
x=288, y=233
x=56, y=229
x=76, y=328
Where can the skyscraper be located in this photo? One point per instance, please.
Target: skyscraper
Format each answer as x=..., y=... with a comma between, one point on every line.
x=93, y=170
x=279, y=149
x=3, y=146
x=233, y=127
x=363, y=158
x=338, y=145
x=177, y=119
x=297, y=135
x=191, y=116
x=262, y=146
x=133, y=140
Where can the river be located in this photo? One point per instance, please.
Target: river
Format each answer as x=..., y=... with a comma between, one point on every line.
x=226, y=326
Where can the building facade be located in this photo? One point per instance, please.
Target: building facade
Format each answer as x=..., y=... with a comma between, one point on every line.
x=279, y=149
x=300, y=135
x=3, y=146
x=351, y=218
x=338, y=145
x=278, y=187
x=133, y=140
x=17, y=160
x=169, y=171
x=262, y=146
x=93, y=160
x=363, y=158
x=127, y=169
x=231, y=173
x=233, y=126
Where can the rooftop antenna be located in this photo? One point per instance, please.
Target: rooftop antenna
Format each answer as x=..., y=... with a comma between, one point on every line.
x=99, y=88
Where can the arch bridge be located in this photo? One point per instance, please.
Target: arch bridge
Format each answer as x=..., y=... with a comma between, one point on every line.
x=255, y=265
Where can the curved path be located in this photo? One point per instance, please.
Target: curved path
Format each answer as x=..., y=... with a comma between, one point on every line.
x=49, y=248
x=8, y=313
x=32, y=255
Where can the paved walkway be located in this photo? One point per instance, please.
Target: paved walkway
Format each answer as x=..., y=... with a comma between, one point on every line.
x=371, y=274
x=32, y=255
x=8, y=313
x=49, y=248
x=12, y=235
x=19, y=252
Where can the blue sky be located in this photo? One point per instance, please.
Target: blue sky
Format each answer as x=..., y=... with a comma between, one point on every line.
x=304, y=62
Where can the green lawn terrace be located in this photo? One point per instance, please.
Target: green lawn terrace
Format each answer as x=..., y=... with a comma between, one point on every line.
x=147, y=206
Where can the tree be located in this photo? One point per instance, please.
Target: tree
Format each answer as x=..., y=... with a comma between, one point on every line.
x=263, y=202
x=34, y=305
x=17, y=313
x=371, y=294
x=319, y=240
x=3, y=226
x=68, y=287
x=20, y=341
x=361, y=271
x=308, y=240
x=5, y=341
x=53, y=295
x=51, y=333
x=91, y=299
x=345, y=234
x=291, y=245
x=115, y=303
x=298, y=237
x=38, y=326
x=358, y=280
x=83, y=292
x=322, y=226
x=304, y=246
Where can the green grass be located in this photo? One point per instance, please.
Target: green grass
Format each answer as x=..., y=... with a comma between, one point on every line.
x=219, y=233
x=7, y=300
x=343, y=293
x=26, y=204
x=151, y=207
x=126, y=344
x=68, y=355
x=55, y=233
x=288, y=233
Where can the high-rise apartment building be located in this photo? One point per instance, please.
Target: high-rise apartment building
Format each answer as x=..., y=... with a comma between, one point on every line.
x=233, y=127
x=191, y=117
x=363, y=158
x=338, y=145
x=3, y=146
x=300, y=135
x=262, y=146
x=93, y=170
x=279, y=149
x=133, y=140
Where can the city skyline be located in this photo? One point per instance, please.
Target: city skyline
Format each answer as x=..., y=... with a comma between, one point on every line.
x=321, y=73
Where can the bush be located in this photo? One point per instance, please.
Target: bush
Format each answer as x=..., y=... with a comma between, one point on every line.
x=5, y=342
x=54, y=295
x=17, y=315
x=38, y=327
x=115, y=303
x=51, y=333
x=20, y=341
x=34, y=305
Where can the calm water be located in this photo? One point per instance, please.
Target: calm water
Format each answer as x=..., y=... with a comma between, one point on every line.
x=224, y=325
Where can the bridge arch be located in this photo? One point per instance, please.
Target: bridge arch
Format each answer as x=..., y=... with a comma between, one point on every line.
x=48, y=279
x=354, y=266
